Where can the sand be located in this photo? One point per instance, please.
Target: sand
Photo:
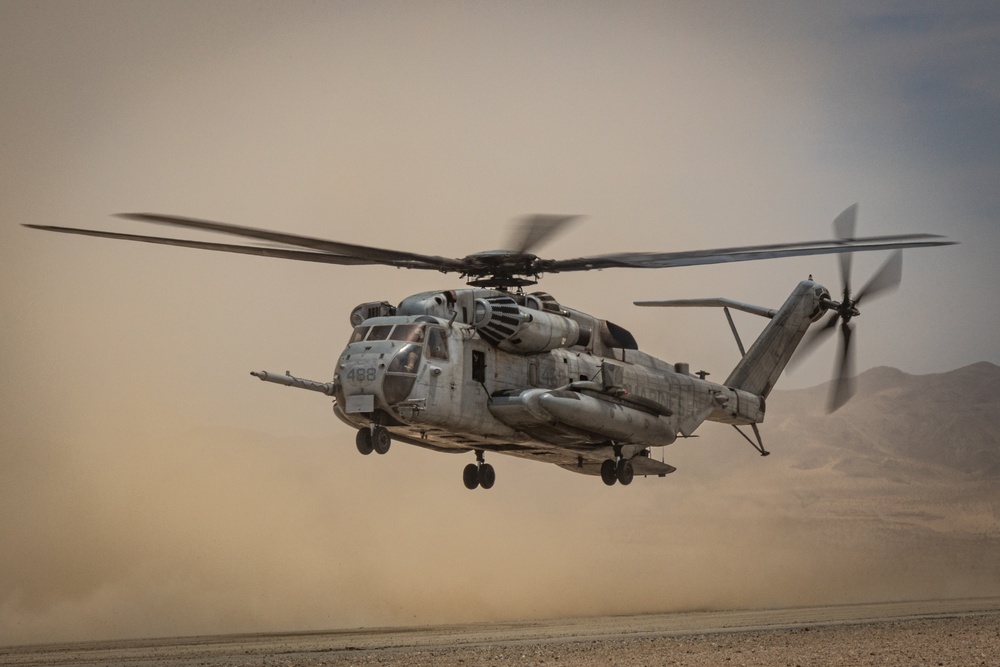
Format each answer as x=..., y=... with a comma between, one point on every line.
x=941, y=632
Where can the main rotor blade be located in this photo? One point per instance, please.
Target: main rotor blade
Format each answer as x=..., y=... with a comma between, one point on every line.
x=534, y=230
x=843, y=384
x=654, y=260
x=281, y=253
x=887, y=277
x=843, y=228
x=372, y=255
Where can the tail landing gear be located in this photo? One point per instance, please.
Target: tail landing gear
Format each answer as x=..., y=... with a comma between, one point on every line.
x=480, y=473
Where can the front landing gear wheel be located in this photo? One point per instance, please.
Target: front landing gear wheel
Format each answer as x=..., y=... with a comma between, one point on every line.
x=381, y=439
x=471, y=476
x=625, y=473
x=609, y=473
x=364, y=441
x=487, y=476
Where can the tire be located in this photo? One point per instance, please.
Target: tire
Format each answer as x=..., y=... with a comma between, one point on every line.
x=381, y=440
x=364, y=441
x=609, y=473
x=625, y=473
x=471, y=476
x=487, y=476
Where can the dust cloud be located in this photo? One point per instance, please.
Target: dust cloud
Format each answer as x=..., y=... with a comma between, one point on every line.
x=216, y=531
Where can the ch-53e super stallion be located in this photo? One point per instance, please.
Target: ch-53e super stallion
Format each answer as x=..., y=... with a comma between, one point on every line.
x=491, y=369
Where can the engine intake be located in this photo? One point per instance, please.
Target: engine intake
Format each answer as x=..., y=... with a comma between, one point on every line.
x=513, y=328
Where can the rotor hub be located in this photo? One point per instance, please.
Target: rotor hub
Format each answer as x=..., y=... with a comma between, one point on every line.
x=501, y=269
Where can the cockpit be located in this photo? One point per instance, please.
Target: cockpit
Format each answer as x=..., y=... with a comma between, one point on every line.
x=417, y=334
x=403, y=344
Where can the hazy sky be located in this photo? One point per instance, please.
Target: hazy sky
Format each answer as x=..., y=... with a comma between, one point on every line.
x=429, y=126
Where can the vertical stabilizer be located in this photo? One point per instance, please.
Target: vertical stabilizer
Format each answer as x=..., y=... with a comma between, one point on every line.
x=760, y=368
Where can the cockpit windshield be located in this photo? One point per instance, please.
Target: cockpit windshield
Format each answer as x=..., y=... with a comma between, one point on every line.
x=379, y=332
x=409, y=333
x=413, y=333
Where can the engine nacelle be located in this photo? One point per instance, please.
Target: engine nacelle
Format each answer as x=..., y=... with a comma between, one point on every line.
x=371, y=309
x=513, y=328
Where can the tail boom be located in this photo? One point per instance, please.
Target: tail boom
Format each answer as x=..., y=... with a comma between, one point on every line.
x=763, y=363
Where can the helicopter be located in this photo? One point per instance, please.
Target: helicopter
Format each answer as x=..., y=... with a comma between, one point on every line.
x=492, y=369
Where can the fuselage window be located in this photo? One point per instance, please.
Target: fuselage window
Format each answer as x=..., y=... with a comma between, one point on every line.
x=478, y=366
x=380, y=332
x=437, y=347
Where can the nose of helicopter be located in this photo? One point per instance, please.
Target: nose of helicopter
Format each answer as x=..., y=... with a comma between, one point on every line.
x=378, y=378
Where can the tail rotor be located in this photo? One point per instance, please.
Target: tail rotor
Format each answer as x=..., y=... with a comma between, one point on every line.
x=842, y=312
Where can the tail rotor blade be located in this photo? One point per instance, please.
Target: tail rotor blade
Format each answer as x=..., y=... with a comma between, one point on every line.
x=886, y=278
x=843, y=385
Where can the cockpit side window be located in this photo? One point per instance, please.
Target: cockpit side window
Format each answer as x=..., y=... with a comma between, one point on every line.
x=359, y=334
x=437, y=346
x=413, y=333
x=380, y=332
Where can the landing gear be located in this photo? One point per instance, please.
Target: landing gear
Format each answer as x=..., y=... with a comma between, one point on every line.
x=609, y=472
x=381, y=439
x=364, y=441
x=471, y=476
x=377, y=439
x=487, y=476
x=479, y=474
x=759, y=445
x=620, y=471
x=624, y=472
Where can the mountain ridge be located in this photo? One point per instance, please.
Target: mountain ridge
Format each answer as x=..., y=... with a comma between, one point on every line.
x=948, y=419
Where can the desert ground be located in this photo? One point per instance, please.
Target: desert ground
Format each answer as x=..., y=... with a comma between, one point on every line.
x=939, y=632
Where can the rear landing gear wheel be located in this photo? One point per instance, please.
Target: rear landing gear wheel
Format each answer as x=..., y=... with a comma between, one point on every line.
x=471, y=476
x=487, y=476
x=609, y=473
x=381, y=439
x=625, y=472
x=364, y=441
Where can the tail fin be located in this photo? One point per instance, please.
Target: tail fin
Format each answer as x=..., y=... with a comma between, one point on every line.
x=767, y=357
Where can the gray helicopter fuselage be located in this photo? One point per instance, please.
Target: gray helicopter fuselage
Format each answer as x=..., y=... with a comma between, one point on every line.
x=479, y=369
